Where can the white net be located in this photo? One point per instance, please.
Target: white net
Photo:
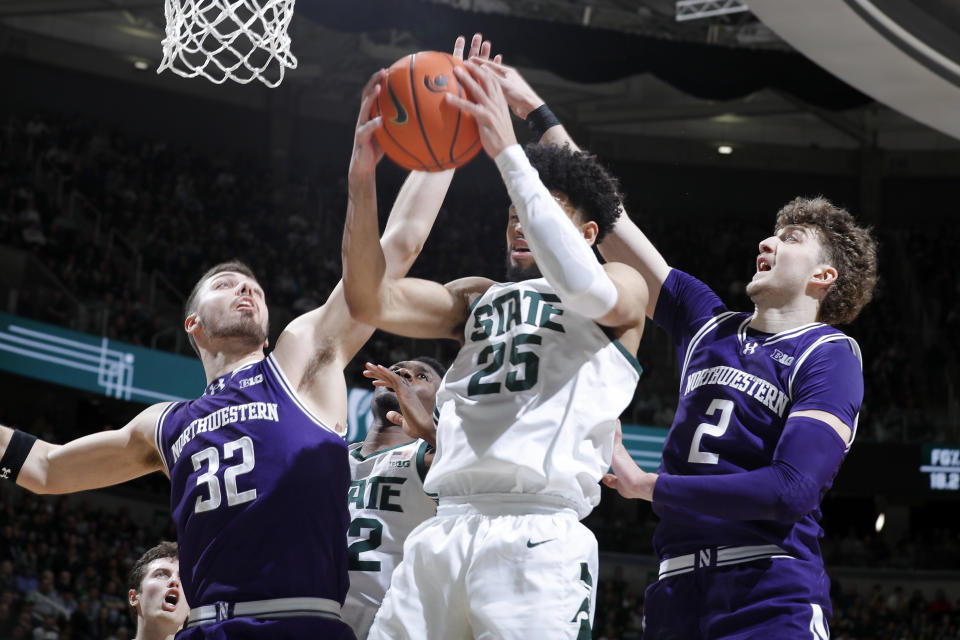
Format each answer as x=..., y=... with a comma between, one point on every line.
x=224, y=40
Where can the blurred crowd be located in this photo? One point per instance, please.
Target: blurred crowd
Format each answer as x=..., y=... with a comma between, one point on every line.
x=63, y=567
x=126, y=225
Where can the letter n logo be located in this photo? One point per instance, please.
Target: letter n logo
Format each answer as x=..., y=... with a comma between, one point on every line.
x=704, y=557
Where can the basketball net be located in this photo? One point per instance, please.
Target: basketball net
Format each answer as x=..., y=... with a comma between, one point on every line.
x=224, y=40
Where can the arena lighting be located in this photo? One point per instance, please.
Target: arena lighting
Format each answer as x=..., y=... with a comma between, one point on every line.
x=696, y=9
x=724, y=149
x=881, y=520
x=141, y=65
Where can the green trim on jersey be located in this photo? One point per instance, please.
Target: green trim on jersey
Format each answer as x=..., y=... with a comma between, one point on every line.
x=421, y=462
x=473, y=305
x=359, y=456
x=632, y=359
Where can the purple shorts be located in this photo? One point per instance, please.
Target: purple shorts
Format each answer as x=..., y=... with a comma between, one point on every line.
x=278, y=629
x=781, y=598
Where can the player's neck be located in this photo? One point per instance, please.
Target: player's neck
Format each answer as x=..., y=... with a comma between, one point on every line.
x=777, y=319
x=154, y=632
x=223, y=362
x=383, y=434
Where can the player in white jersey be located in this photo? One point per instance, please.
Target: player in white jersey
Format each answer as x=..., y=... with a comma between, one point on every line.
x=527, y=412
x=386, y=498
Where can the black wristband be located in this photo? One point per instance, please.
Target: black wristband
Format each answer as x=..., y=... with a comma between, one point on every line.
x=541, y=119
x=16, y=454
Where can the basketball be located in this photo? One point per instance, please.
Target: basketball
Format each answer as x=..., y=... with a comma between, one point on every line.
x=420, y=130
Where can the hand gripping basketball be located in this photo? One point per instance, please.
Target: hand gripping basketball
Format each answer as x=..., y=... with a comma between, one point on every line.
x=420, y=130
x=487, y=105
x=366, y=151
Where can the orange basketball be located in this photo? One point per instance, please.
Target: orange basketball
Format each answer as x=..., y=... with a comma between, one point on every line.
x=420, y=130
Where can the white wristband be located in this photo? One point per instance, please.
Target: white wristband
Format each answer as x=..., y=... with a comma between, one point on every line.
x=563, y=256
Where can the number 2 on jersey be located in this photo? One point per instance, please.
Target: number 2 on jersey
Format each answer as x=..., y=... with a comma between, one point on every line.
x=372, y=541
x=211, y=456
x=707, y=429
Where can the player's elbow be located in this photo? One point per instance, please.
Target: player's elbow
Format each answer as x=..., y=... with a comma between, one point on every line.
x=363, y=307
x=400, y=254
x=796, y=498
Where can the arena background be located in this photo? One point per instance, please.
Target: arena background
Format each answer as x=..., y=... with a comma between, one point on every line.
x=119, y=186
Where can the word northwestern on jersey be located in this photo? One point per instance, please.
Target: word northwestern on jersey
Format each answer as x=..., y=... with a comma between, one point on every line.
x=224, y=416
x=755, y=387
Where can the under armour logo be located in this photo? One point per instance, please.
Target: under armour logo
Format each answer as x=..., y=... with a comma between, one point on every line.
x=216, y=386
x=749, y=348
x=5, y=473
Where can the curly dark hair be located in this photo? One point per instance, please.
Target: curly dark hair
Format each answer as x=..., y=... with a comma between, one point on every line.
x=851, y=249
x=589, y=187
x=163, y=550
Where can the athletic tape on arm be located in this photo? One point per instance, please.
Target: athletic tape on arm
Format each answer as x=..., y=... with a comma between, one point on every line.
x=563, y=256
x=805, y=462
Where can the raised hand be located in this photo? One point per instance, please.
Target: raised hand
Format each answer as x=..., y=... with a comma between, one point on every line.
x=366, y=151
x=628, y=479
x=520, y=95
x=415, y=419
x=487, y=105
x=479, y=48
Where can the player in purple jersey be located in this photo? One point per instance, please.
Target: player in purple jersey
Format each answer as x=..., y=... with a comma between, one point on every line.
x=767, y=411
x=257, y=465
x=768, y=408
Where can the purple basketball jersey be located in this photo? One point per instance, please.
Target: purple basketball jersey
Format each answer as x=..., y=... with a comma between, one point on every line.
x=737, y=388
x=257, y=492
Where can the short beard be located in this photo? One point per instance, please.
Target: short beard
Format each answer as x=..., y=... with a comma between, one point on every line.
x=516, y=273
x=243, y=328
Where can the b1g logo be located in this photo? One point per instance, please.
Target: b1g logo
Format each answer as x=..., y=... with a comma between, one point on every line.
x=249, y=382
x=782, y=358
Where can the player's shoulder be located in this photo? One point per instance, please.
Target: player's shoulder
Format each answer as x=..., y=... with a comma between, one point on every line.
x=826, y=341
x=470, y=288
x=470, y=284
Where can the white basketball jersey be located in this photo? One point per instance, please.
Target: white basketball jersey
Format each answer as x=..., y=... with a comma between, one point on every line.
x=387, y=502
x=530, y=404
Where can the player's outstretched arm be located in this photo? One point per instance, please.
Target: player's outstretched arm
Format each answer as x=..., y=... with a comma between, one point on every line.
x=615, y=296
x=97, y=460
x=377, y=297
x=411, y=218
x=804, y=464
x=527, y=105
x=626, y=243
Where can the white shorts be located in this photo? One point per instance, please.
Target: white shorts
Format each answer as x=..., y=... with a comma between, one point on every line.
x=497, y=567
x=358, y=614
